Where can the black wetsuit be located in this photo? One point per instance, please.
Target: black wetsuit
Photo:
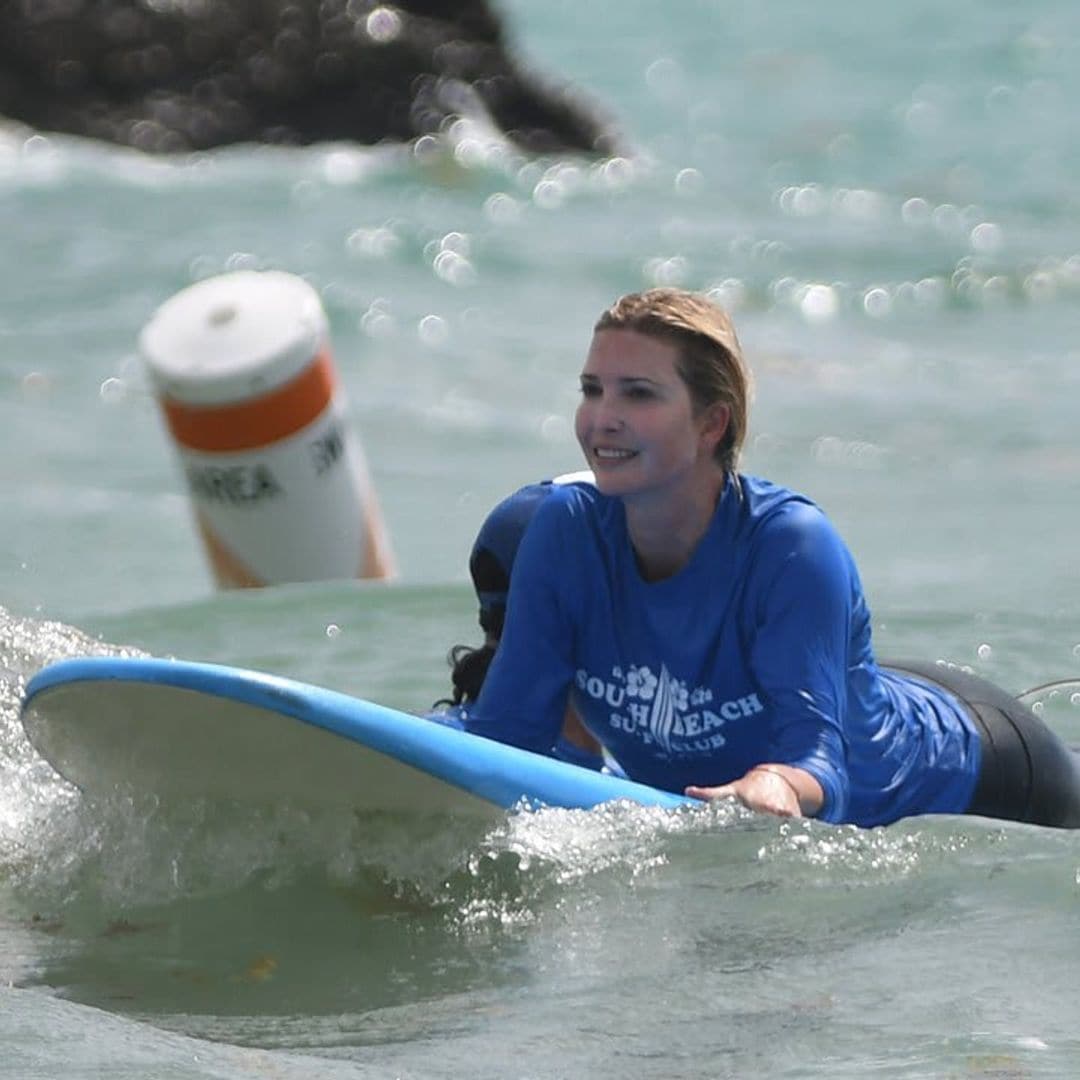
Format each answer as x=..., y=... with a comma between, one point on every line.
x=1027, y=773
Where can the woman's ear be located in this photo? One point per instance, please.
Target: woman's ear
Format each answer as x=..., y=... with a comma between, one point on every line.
x=714, y=423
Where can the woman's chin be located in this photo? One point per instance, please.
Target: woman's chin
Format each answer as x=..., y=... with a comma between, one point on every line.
x=611, y=481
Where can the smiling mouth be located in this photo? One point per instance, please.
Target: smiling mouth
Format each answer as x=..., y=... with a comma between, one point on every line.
x=603, y=453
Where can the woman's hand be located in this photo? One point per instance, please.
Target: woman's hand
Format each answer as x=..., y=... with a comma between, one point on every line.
x=769, y=789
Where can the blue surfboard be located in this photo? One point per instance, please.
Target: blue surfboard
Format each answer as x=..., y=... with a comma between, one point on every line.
x=176, y=729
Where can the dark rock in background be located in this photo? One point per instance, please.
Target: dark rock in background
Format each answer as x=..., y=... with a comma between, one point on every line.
x=181, y=75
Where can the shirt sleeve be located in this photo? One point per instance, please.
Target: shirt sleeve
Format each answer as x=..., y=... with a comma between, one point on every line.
x=807, y=585
x=524, y=696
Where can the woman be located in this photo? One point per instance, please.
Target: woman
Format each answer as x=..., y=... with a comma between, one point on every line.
x=710, y=627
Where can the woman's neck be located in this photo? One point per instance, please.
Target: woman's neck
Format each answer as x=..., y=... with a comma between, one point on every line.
x=665, y=532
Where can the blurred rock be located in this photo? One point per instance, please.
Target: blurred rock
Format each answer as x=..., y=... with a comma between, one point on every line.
x=181, y=75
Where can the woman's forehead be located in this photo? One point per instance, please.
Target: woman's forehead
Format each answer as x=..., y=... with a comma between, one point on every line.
x=630, y=354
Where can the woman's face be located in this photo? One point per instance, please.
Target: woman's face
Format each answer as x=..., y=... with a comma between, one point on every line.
x=636, y=422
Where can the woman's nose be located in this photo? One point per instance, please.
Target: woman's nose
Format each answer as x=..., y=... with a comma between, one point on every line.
x=606, y=414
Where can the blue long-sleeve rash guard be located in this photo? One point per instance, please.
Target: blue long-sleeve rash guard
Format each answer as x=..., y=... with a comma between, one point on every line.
x=758, y=650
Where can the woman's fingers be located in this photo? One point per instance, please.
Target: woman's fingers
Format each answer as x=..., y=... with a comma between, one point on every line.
x=724, y=791
x=763, y=792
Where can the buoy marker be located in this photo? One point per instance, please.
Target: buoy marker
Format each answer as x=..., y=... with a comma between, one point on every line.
x=243, y=370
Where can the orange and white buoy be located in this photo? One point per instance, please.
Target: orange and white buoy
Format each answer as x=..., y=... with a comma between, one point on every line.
x=242, y=368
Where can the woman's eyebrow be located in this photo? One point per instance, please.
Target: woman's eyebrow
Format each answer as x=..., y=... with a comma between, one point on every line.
x=621, y=379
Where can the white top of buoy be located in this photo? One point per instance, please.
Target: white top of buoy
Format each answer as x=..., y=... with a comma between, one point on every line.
x=233, y=337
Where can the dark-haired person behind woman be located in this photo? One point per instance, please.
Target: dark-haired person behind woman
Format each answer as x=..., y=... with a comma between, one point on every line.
x=491, y=563
x=710, y=628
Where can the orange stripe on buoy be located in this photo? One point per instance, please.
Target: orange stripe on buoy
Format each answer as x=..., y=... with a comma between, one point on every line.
x=230, y=572
x=260, y=421
x=378, y=559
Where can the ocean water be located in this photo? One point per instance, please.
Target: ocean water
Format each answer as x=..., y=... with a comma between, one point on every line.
x=886, y=199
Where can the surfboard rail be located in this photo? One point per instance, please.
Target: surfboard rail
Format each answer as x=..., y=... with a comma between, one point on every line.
x=188, y=729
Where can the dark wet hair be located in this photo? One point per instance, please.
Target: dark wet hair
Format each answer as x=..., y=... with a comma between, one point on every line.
x=468, y=669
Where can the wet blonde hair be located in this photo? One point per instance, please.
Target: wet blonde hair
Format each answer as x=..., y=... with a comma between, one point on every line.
x=710, y=360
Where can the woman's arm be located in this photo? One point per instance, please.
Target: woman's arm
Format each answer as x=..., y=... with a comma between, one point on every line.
x=802, y=590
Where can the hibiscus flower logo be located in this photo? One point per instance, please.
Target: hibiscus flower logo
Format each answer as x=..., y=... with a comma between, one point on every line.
x=640, y=683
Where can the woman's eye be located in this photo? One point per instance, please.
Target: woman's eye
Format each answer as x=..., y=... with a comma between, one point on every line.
x=639, y=393
x=590, y=390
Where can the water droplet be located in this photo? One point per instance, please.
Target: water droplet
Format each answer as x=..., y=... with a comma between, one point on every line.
x=930, y=291
x=502, y=209
x=377, y=323
x=333, y=630
x=470, y=153
x=453, y=268
x=113, y=391
x=664, y=77
x=808, y=201
x=995, y=289
x=617, y=172
x=946, y=218
x=433, y=330
x=343, y=167
x=667, y=272
x=1040, y=287
x=784, y=289
x=1037, y=708
x=383, y=25
x=548, y=195
x=915, y=212
x=729, y=293
x=373, y=243
x=827, y=448
x=986, y=237
x=877, y=303
x=242, y=260
x=689, y=182
x=984, y=652
x=457, y=242
x=427, y=149
x=819, y=303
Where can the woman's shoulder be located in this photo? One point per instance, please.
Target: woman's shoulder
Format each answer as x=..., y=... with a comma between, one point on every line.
x=766, y=502
x=781, y=515
x=792, y=548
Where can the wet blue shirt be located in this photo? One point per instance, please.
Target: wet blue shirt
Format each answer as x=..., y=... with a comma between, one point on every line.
x=758, y=650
